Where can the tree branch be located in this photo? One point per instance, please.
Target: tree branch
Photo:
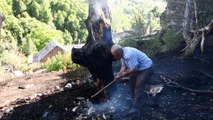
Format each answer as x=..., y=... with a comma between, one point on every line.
x=207, y=74
x=170, y=83
x=202, y=42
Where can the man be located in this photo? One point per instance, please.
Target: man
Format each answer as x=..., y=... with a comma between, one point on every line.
x=138, y=66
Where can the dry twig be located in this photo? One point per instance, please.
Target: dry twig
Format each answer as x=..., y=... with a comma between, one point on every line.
x=207, y=74
x=171, y=83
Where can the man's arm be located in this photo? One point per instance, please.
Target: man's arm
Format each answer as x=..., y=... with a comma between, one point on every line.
x=129, y=71
x=120, y=73
x=124, y=72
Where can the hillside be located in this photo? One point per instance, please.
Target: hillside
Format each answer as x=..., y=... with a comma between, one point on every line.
x=186, y=94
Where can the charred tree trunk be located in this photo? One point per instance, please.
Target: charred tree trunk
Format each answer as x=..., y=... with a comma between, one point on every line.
x=95, y=54
x=1, y=22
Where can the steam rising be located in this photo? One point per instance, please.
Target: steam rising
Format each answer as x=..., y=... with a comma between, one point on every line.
x=120, y=102
x=99, y=5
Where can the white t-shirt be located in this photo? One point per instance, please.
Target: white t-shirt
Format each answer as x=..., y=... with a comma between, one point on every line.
x=134, y=58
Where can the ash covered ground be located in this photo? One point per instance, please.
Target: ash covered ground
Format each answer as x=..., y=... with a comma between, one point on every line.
x=186, y=93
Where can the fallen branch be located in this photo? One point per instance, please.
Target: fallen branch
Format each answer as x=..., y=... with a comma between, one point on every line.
x=170, y=83
x=207, y=74
x=206, y=28
x=202, y=42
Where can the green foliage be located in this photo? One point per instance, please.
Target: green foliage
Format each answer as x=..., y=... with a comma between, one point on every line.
x=146, y=16
x=40, y=33
x=58, y=62
x=28, y=47
x=63, y=15
x=149, y=44
x=40, y=10
x=15, y=59
x=13, y=26
x=7, y=42
x=152, y=46
x=129, y=41
x=41, y=36
x=67, y=38
x=120, y=16
x=5, y=7
x=55, y=63
x=172, y=39
x=31, y=24
x=18, y=4
x=70, y=16
x=136, y=14
x=63, y=62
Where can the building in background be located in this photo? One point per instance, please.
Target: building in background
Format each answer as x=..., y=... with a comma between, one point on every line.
x=50, y=50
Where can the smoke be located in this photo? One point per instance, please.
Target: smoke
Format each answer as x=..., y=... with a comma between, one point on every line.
x=120, y=101
x=97, y=6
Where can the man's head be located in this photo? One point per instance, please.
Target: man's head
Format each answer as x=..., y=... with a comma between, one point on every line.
x=117, y=51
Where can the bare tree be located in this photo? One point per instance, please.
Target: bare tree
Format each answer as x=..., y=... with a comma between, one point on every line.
x=191, y=33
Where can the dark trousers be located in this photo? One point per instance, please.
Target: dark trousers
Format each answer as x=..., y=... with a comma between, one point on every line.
x=137, y=85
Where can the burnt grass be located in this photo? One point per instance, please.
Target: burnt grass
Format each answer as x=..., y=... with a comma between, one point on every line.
x=172, y=103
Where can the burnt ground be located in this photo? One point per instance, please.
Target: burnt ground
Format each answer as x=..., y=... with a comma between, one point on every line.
x=187, y=94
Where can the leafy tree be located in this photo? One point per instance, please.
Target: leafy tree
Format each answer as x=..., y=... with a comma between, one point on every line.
x=121, y=21
x=67, y=38
x=12, y=24
x=60, y=19
x=20, y=5
x=146, y=14
x=33, y=9
x=70, y=16
x=5, y=7
x=40, y=10
x=41, y=33
x=28, y=47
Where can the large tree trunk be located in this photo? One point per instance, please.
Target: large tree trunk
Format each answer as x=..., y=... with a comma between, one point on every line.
x=1, y=22
x=95, y=54
x=187, y=28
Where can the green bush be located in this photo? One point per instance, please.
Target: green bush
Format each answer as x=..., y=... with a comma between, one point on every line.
x=62, y=61
x=55, y=63
x=172, y=40
x=148, y=44
x=15, y=59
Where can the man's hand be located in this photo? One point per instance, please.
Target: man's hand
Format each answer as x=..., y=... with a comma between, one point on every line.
x=117, y=77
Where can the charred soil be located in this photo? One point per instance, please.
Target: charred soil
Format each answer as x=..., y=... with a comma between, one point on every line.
x=186, y=93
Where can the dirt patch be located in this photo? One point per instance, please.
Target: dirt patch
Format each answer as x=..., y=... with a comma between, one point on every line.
x=28, y=87
x=56, y=96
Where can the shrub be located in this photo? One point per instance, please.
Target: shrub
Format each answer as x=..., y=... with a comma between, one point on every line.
x=15, y=59
x=148, y=44
x=55, y=63
x=62, y=61
x=172, y=40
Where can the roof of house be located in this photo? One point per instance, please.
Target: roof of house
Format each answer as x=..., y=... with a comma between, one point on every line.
x=48, y=48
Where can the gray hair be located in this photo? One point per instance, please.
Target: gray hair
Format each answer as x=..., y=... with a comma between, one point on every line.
x=116, y=48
